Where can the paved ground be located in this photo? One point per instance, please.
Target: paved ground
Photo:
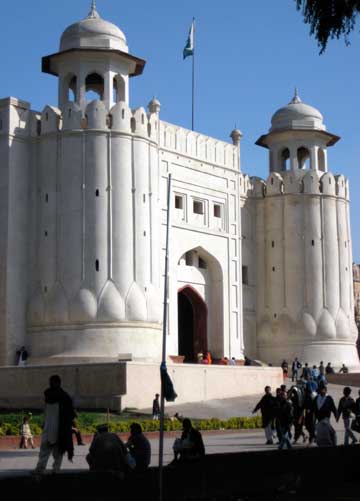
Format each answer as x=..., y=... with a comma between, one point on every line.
x=22, y=461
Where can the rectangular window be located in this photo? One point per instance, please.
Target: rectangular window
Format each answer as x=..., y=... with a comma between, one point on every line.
x=179, y=202
x=217, y=210
x=245, y=275
x=198, y=207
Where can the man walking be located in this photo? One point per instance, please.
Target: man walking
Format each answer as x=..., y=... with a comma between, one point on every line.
x=306, y=373
x=285, y=417
x=56, y=438
x=156, y=407
x=345, y=408
x=266, y=406
x=324, y=405
x=296, y=365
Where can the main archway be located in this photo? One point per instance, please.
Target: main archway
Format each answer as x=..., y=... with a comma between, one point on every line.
x=192, y=324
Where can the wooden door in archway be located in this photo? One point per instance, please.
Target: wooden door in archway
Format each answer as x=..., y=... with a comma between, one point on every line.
x=192, y=324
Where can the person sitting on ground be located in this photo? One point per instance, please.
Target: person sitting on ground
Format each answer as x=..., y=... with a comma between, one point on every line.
x=190, y=446
x=76, y=431
x=25, y=433
x=232, y=361
x=329, y=369
x=208, y=358
x=267, y=408
x=139, y=447
x=107, y=452
x=325, y=434
x=200, y=358
x=22, y=356
x=344, y=369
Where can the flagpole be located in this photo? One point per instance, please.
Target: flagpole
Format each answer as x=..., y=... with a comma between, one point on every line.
x=163, y=360
x=193, y=81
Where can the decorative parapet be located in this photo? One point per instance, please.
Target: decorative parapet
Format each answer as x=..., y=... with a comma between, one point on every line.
x=195, y=145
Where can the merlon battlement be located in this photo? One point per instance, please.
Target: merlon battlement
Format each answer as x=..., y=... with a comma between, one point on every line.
x=307, y=182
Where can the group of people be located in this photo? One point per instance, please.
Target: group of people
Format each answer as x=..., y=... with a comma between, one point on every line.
x=107, y=451
x=298, y=370
x=286, y=414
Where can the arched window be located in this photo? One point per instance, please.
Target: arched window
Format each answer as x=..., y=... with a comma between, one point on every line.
x=321, y=160
x=285, y=159
x=71, y=91
x=118, y=89
x=303, y=157
x=94, y=87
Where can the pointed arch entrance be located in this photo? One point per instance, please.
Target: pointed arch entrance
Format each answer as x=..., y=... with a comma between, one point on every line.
x=192, y=323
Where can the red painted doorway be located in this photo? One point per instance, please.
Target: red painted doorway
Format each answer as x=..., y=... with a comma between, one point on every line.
x=192, y=324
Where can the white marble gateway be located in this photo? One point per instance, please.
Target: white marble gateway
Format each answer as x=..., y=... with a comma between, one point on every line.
x=257, y=267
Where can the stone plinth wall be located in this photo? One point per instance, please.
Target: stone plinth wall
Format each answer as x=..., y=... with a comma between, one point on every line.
x=197, y=383
x=131, y=384
x=92, y=386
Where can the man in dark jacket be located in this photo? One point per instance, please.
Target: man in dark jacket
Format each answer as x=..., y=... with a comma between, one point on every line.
x=345, y=408
x=306, y=373
x=285, y=418
x=266, y=406
x=324, y=405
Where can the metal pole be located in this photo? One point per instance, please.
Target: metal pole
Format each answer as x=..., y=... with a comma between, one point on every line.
x=163, y=359
x=193, y=79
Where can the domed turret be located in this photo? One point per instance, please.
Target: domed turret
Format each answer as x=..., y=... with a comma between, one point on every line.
x=93, y=32
x=93, y=59
x=297, y=138
x=297, y=115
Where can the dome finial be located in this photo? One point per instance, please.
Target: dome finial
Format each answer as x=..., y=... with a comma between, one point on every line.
x=296, y=99
x=93, y=14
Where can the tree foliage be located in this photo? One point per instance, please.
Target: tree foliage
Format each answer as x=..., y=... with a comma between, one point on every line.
x=329, y=19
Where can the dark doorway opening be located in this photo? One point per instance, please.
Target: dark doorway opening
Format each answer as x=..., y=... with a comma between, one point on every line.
x=192, y=324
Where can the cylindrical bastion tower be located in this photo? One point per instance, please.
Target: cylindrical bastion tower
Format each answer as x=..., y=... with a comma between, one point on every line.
x=95, y=271
x=305, y=304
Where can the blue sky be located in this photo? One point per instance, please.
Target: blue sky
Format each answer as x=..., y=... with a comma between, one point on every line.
x=250, y=56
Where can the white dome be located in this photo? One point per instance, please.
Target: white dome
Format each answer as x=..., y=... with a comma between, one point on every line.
x=93, y=32
x=297, y=115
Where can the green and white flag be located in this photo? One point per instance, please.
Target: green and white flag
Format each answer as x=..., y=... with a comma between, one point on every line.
x=189, y=47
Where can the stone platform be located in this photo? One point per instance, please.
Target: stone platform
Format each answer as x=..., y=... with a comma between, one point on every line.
x=121, y=385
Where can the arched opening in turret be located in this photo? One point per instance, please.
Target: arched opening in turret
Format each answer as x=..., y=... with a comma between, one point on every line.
x=94, y=87
x=70, y=87
x=303, y=157
x=285, y=159
x=118, y=89
x=321, y=160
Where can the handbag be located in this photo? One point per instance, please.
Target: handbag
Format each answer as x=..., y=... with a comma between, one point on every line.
x=355, y=425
